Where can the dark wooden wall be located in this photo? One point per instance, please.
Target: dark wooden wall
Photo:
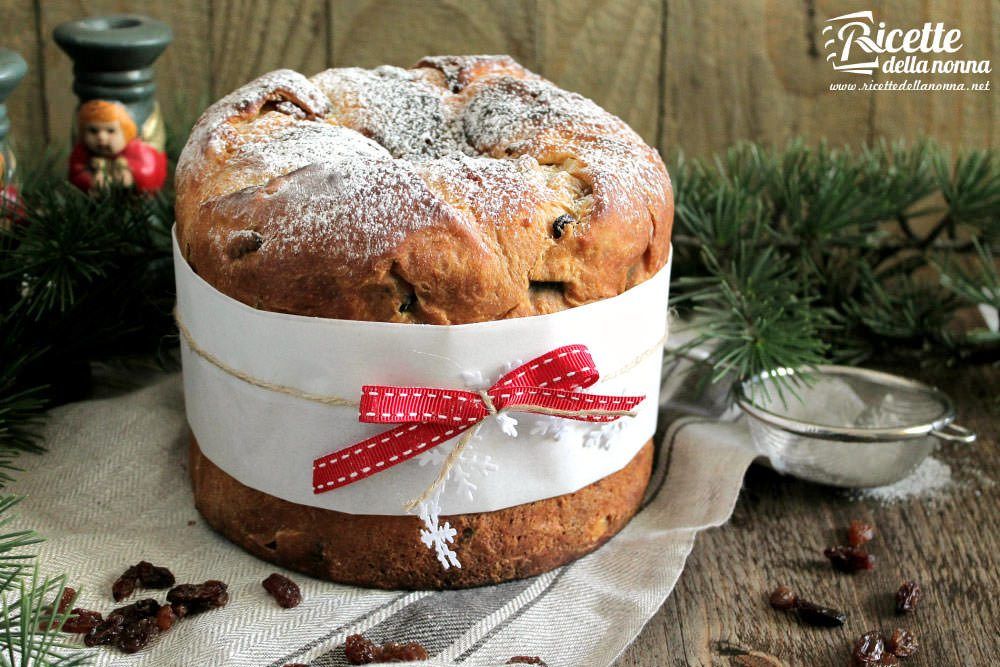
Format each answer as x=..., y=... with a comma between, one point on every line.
x=694, y=74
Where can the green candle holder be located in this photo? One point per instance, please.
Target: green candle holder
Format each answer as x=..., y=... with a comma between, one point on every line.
x=12, y=70
x=113, y=59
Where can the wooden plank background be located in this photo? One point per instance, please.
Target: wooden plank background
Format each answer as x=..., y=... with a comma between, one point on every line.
x=690, y=74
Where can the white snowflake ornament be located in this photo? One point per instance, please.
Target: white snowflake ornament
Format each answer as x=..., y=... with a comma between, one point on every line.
x=507, y=424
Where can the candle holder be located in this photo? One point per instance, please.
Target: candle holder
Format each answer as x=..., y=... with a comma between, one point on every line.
x=12, y=70
x=118, y=135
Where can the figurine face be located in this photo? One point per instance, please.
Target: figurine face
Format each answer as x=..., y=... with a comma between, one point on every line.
x=104, y=139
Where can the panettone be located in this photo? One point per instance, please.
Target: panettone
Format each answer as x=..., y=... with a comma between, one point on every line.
x=465, y=189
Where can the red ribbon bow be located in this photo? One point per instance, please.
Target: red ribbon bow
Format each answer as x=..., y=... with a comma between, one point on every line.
x=431, y=416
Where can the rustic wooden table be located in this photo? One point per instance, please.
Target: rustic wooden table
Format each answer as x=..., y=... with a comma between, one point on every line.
x=949, y=543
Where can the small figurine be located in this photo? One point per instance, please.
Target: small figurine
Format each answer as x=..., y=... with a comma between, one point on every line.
x=118, y=134
x=108, y=151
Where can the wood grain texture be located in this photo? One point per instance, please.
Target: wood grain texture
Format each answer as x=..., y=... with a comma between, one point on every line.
x=620, y=68
x=251, y=37
x=754, y=70
x=368, y=33
x=182, y=73
x=950, y=544
x=966, y=119
x=26, y=105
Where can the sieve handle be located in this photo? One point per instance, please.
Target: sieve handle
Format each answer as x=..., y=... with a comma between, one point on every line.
x=955, y=433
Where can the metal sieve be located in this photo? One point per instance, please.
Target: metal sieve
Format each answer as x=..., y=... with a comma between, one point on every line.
x=848, y=427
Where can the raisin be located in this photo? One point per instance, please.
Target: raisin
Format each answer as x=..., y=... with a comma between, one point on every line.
x=197, y=598
x=860, y=533
x=408, y=652
x=82, y=620
x=65, y=600
x=907, y=597
x=359, y=651
x=902, y=643
x=105, y=632
x=559, y=225
x=869, y=648
x=135, y=636
x=285, y=591
x=152, y=576
x=783, y=598
x=165, y=618
x=811, y=613
x=144, y=573
x=138, y=610
x=850, y=559
x=526, y=660
x=123, y=587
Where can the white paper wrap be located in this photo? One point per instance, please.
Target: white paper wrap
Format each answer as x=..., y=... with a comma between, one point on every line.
x=268, y=440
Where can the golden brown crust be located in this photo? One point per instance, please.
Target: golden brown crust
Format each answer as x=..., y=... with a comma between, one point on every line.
x=425, y=195
x=386, y=552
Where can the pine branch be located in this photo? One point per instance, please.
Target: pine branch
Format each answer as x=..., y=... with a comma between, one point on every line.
x=851, y=277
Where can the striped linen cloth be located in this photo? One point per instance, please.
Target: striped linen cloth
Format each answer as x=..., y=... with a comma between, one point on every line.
x=113, y=490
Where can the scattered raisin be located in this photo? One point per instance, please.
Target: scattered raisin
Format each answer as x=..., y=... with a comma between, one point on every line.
x=82, y=620
x=869, y=648
x=165, y=618
x=783, y=598
x=359, y=651
x=105, y=632
x=123, y=587
x=197, y=598
x=65, y=600
x=144, y=573
x=811, y=613
x=526, y=660
x=408, y=652
x=135, y=636
x=860, y=533
x=145, y=608
x=284, y=590
x=907, y=597
x=850, y=559
x=902, y=643
x=559, y=226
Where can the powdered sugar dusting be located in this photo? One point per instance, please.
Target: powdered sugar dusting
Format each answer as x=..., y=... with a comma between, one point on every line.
x=931, y=478
x=352, y=153
x=214, y=128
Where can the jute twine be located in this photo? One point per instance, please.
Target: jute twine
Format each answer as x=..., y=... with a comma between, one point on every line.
x=453, y=456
